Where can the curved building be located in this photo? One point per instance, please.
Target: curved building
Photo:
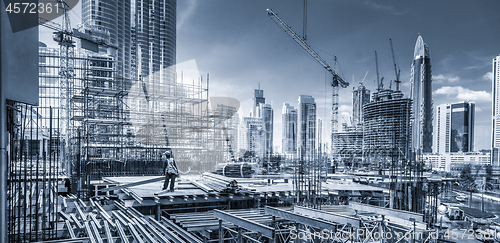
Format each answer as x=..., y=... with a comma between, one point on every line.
x=154, y=33
x=386, y=129
x=421, y=95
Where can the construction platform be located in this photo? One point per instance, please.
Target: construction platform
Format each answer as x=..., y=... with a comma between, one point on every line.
x=198, y=193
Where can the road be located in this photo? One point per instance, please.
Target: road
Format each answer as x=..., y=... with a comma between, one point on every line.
x=490, y=206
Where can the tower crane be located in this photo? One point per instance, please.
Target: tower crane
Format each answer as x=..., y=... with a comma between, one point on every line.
x=380, y=84
x=396, y=68
x=337, y=80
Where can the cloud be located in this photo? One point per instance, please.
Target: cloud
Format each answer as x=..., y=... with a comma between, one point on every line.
x=387, y=8
x=462, y=93
x=440, y=78
x=184, y=14
x=488, y=76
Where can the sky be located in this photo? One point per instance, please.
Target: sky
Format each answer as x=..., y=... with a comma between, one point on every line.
x=241, y=47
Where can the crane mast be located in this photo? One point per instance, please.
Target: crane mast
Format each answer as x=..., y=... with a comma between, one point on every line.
x=337, y=80
x=396, y=69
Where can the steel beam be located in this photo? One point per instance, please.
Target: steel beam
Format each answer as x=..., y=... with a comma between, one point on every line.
x=155, y=225
x=89, y=232
x=166, y=222
x=245, y=223
x=301, y=219
x=96, y=232
x=143, y=231
x=136, y=235
x=108, y=232
x=387, y=211
x=137, y=183
x=332, y=217
x=70, y=229
x=122, y=234
x=119, y=218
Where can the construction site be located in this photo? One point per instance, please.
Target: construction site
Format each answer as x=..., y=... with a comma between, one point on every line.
x=87, y=162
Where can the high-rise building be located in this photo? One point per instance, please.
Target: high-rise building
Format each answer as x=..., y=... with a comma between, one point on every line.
x=306, y=139
x=289, y=134
x=252, y=136
x=386, y=128
x=115, y=18
x=144, y=32
x=454, y=128
x=495, y=135
x=258, y=98
x=421, y=95
x=154, y=34
x=267, y=115
x=360, y=96
x=265, y=111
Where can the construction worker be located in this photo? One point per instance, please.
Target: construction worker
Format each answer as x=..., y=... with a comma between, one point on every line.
x=170, y=171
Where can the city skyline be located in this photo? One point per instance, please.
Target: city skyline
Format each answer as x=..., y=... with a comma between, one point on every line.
x=240, y=46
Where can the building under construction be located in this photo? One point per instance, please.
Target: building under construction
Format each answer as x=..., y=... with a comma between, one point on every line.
x=386, y=129
x=386, y=146
x=349, y=144
x=120, y=127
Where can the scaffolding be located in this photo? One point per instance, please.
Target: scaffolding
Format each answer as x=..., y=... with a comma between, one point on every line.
x=121, y=127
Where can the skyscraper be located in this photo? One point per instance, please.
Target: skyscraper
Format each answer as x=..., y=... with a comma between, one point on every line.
x=114, y=17
x=144, y=31
x=258, y=98
x=495, y=130
x=360, y=96
x=421, y=95
x=267, y=114
x=264, y=111
x=306, y=139
x=154, y=36
x=454, y=128
x=251, y=136
x=289, y=134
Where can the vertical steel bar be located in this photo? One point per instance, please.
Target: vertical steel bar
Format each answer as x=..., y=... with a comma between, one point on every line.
x=30, y=150
x=221, y=235
x=25, y=166
x=3, y=171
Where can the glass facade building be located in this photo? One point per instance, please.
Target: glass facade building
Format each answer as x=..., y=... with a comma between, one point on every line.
x=289, y=125
x=306, y=139
x=421, y=95
x=454, y=128
x=495, y=129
